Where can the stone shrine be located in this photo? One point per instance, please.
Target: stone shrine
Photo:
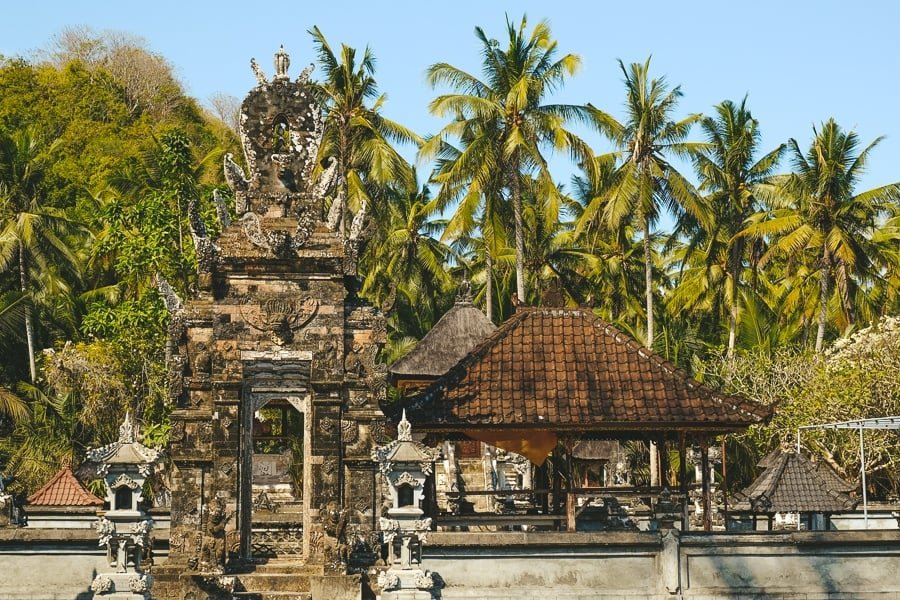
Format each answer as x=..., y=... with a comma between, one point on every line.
x=273, y=371
x=124, y=529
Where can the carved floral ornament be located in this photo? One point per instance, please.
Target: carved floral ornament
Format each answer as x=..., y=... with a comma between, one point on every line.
x=406, y=479
x=101, y=584
x=124, y=480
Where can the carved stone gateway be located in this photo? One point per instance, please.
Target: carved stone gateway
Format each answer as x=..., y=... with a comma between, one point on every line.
x=273, y=373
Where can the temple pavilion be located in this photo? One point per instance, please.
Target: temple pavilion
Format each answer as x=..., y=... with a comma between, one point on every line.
x=547, y=380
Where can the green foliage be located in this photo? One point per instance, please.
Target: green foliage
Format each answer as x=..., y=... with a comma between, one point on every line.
x=101, y=154
x=856, y=379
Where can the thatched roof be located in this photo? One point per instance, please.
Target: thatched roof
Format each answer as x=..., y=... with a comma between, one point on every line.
x=461, y=328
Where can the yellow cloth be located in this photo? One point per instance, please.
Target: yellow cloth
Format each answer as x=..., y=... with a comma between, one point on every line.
x=534, y=444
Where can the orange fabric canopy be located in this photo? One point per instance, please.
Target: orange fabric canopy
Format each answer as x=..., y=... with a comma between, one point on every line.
x=534, y=444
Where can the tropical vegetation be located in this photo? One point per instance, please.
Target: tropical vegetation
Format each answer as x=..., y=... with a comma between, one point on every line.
x=779, y=278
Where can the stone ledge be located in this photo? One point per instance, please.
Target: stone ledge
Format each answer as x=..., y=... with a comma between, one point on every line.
x=798, y=538
x=506, y=539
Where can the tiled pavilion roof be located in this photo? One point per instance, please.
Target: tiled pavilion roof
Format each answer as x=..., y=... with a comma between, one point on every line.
x=568, y=369
x=63, y=489
x=793, y=483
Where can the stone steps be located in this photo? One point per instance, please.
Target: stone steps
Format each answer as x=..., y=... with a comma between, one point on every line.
x=272, y=595
x=273, y=582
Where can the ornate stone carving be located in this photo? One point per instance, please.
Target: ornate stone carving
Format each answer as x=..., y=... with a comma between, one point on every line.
x=212, y=547
x=101, y=584
x=362, y=362
x=349, y=431
x=406, y=479
x=388, y=581
x=221, y=209
x=282, y=64
x=326, y=425
x=404, y=430
x=125, y=480
x=206, y=249
x=279, y=315
x=170, y=298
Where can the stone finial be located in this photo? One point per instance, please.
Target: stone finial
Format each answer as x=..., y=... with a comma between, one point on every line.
x=464, y=293
x=282, y=64
x=126, y=430
x=404, y=429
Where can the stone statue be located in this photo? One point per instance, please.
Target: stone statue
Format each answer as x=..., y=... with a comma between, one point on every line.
x=212, y=545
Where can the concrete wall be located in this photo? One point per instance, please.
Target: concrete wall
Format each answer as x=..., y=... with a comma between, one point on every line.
x=649, y=565
x=53, y=564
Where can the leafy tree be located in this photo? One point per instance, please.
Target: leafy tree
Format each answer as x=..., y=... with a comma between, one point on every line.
x=507, y=103
x=714, y=256
x=404, y=263
x=816, y=213
x=853, y=379
x=470, y=181
x=356, y=134
x=34, y=236
x=646, y=181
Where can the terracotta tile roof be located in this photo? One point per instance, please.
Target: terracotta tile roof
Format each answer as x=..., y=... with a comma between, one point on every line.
x=793, y=483
x=457, y=332
x=63, y=489
x=568, y=368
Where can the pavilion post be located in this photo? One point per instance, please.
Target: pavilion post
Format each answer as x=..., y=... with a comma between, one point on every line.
x=556, y=482
x=682, y=480
x=705, y=486
x=862, y=469
x=663, y=461
x=570, y=495
x=724, y=487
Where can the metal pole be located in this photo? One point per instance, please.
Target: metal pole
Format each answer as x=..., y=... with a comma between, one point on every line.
x=798, y=440
x=862, y=468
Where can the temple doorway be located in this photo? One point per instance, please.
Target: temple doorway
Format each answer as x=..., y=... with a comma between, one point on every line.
x=277, y=473
x=274, y=486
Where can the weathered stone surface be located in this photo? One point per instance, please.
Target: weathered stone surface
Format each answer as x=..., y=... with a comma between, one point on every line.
x=278, y=326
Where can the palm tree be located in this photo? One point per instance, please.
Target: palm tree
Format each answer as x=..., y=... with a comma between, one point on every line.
x=729, y=177
x=646, y=181
x=816, y=213
x=33, y=238
x=470, y=179
x=614, y=273
x=405, y=256
x=507, y=103
x=356, y=134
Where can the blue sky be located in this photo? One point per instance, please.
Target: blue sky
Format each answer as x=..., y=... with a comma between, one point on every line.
x=800, y=62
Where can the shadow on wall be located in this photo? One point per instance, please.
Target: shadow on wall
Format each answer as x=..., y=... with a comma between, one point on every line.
x=748, y=575
x=87, y=595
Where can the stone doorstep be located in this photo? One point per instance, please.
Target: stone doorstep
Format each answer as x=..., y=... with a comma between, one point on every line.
x=273, y=582
x=282, y=567
x=271, y=596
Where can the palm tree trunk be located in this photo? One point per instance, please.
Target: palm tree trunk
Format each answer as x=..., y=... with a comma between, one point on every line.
x=489, y=286
x=29, y=325
x=824, y=285
x=735, y=266
x=520, y=235
x=648, y=281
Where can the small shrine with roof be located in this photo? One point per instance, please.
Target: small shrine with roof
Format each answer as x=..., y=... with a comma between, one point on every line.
x=63, y=502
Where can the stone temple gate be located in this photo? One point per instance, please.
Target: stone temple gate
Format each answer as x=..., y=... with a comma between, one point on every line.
x=273, y=370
